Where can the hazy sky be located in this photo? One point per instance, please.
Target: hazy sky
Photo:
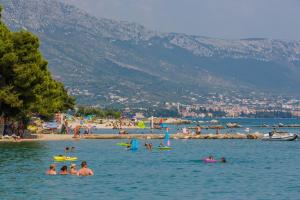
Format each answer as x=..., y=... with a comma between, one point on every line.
x=215, y=18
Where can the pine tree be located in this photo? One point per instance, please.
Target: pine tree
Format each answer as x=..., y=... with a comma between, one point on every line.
x=26, y=85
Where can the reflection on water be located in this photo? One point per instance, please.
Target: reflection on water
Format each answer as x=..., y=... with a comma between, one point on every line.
x=14, y=153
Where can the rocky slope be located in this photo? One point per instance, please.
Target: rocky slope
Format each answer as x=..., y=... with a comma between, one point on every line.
x=105, y=61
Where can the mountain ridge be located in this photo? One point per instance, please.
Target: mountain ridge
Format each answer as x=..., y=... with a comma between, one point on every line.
x=115, y=58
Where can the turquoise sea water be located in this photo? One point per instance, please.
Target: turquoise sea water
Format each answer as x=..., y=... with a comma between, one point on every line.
x=255, y=170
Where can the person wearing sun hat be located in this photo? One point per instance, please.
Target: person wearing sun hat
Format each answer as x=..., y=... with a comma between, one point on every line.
x=73, y=170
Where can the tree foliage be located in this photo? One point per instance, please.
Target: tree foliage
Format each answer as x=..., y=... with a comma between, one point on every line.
x=26, y=85
x=98, y=112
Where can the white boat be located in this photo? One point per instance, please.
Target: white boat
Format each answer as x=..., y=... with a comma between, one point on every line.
x=233, y=125
x=279, y=137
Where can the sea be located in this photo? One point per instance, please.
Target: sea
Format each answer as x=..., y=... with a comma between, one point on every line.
x=246, y=125
x=255, y=169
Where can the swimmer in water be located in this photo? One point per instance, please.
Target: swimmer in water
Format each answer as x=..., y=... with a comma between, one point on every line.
x=210, y=157
x=223, y=160
x=73, y=170
x=67, y=149
x=52, y=170
x=64, y=170
x=161, y=145
x=148, y=146
x=85, y=171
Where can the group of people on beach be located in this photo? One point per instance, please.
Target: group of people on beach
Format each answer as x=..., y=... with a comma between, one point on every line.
x=198, y=130
x=14, y=129
x=84, y=171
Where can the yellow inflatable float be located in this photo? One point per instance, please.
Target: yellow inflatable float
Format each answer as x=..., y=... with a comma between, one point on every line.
x=61, y=158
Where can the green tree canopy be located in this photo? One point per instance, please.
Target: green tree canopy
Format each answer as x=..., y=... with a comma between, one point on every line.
x=26, y=85
x=98, y=112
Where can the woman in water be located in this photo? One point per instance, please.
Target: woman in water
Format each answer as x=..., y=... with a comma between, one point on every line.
x=73, y=170
x=64, y=170
x=51, y=170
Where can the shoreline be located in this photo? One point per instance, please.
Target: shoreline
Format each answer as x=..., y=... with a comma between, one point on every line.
x=63, y=137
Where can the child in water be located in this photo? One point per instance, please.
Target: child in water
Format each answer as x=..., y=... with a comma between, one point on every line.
x=148, y=146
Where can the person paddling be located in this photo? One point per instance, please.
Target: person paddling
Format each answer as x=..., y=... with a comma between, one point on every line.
x=85, y=171
x=52, y=170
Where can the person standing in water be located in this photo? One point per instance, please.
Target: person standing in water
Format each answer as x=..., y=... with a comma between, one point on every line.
x=198, y=130
x=52, y=170
x=73, y=170
x=64, y=170
x=85, y=171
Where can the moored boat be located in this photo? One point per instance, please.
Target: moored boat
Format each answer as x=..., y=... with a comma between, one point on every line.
x=280, y=137
x=233, y=125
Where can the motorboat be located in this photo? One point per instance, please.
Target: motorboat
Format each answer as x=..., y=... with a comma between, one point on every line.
x=279, y=136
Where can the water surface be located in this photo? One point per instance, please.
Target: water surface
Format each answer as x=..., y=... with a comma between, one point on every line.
x=255, y=170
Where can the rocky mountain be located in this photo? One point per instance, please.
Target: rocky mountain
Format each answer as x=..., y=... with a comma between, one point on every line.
x=107, y=61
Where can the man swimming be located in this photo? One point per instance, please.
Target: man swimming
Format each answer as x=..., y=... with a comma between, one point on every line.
x=85, y=171
x=52, y=170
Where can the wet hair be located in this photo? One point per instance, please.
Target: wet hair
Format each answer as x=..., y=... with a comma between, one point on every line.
x=83, y=163
x=64, y=168
x=67, y=148
x=52, y=166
